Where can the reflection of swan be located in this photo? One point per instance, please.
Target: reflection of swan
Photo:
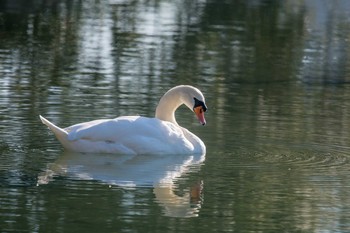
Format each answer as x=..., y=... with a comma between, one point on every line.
x=176, y=206
x=139, y=135
x=158, y=171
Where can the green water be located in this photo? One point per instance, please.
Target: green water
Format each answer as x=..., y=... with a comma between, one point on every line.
x=275, y=75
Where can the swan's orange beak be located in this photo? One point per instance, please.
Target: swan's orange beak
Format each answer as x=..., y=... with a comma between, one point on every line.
x=200, y=114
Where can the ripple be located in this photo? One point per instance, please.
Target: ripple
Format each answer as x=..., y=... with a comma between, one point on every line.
x=315, y=157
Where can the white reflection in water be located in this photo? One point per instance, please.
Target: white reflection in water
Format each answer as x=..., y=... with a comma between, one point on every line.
x=96, y=42
x=157, y=171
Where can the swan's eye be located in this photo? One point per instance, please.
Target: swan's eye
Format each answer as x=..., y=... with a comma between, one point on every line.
x=199, y=103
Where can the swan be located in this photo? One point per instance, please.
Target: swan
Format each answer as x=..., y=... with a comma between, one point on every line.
x=136, y=134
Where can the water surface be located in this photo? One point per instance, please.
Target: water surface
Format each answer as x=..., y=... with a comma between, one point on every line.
x=275, y=77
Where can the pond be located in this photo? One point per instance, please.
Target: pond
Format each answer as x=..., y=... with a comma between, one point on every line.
x=275, y=75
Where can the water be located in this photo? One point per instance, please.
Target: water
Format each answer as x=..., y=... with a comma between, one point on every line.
x=275, y=76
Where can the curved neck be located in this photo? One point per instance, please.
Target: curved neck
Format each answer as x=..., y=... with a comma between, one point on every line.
x=168, y=104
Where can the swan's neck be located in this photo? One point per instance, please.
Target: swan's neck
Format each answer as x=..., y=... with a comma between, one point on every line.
x=167, y=106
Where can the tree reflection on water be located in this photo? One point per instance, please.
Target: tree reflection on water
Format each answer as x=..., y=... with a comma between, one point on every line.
x=274, y=72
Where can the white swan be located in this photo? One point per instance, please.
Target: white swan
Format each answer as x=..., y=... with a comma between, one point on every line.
x=136, y=134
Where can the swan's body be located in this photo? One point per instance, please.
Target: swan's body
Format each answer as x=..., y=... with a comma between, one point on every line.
x=139, y=135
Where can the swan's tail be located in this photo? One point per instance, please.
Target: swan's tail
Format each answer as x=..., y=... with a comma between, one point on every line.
x=60, y=134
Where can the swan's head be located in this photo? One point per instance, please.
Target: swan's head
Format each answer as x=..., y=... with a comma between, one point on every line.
x=194, y=100
x=183, y=94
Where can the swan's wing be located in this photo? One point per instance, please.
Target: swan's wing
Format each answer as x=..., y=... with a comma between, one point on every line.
x=140, y=135
x=125, y=129
x=100, y=130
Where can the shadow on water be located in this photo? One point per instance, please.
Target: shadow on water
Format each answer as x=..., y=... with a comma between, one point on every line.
x=131, y=172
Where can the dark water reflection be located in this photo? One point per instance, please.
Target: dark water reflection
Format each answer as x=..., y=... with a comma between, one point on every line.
x=275, y=76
